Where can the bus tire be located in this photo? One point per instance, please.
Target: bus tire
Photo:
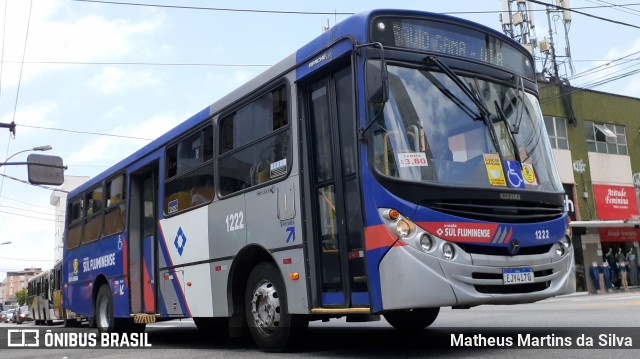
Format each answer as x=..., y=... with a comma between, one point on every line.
x=104, y=310
x=412, y=319
x=270, y=324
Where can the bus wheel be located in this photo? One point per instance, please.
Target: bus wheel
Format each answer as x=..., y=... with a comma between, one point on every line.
x=104, y=310
x=412, y=319
x=270, y=324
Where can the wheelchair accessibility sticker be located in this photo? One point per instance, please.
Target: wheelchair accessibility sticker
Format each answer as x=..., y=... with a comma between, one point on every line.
x=514, y=174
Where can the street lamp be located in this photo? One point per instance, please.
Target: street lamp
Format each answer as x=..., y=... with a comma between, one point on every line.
x=38, y=148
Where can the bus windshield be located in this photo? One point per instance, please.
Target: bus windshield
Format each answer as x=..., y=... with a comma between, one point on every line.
x=432, y=131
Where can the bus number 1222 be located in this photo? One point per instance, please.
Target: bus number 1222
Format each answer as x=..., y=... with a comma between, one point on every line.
x=235, y=221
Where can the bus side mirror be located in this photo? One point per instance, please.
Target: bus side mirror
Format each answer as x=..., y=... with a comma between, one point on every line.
x=377, y=81
x=44, y=169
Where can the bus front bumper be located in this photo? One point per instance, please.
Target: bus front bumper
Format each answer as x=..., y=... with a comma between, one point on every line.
x=410, y=278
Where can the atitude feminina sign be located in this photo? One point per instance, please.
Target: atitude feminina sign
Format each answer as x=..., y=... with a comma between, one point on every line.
x=615, y=202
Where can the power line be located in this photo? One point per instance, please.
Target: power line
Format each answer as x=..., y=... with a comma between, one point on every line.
x=24, y=215
x=621, y=8
x=4, y=33
x=139, y=63
x=32, y=211
x=24, y=52
x=87, y=132
x=31, y=184
x=584, y=13
x=313, y=12
x=26, y=260
x=215, y=9
x=15, y=106
x=604, y=67
x=30, y=204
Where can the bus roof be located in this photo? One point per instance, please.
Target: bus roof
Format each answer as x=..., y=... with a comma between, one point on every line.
x=353, y=28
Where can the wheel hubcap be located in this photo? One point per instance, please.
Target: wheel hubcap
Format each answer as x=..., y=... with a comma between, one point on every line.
x=265, y=307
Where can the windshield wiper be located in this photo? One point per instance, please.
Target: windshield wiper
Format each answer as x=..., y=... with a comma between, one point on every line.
x=520, y=109
x=484, y=114
x=511, y=132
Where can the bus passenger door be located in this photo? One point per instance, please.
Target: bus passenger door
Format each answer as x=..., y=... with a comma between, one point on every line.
x=142, y=247
x=334, y=192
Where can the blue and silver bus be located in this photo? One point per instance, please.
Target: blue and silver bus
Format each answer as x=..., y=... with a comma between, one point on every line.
x=396, y=164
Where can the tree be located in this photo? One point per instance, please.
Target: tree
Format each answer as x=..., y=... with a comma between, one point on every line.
x=21, y=296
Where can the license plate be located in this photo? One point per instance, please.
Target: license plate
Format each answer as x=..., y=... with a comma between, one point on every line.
x=517, y=275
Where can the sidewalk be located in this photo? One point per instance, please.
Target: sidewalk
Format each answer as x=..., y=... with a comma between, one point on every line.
x=633, y=289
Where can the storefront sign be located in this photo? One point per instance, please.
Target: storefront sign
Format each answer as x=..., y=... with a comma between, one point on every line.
x=569, y=201
x=619, y=235
x=615, y=202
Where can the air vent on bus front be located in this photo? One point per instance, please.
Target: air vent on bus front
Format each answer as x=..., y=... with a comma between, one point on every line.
x=498, y=211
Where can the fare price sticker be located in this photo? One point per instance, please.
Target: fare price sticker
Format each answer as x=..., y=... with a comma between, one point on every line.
x=412, y=159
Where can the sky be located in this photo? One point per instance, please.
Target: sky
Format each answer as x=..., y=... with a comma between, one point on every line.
x=98, y=80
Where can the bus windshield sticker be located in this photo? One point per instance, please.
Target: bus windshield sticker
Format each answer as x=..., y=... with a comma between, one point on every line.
x=173, y=206
x=514, y=174
x=529, y=175
x=494, y=169
x=278, y=168
x=412, y=159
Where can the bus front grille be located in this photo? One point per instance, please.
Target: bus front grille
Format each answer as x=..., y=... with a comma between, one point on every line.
x=498, y=211
x=512, y=289
x=502, y=250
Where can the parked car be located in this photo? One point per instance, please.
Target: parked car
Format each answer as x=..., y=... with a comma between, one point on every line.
x=22, y=314
x=3, y=316
x=9, y=317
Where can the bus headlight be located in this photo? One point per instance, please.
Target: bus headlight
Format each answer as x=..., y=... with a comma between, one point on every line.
x=559, y=248
x=426, y=242
x=566, y=242
x=448, y=251
x=403, y=228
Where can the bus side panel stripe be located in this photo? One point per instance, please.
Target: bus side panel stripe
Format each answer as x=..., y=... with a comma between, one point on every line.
x=176, y=281
x=379, y=236
x=149, y=304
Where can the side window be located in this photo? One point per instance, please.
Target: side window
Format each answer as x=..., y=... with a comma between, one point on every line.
x=606, y=138
x=557, y=131
x=93, y=221
x=115, y=211
x=254, y=143
x=189, y=172
x=74, y=222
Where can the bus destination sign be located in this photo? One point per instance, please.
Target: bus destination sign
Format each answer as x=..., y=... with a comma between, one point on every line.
x=449, y=39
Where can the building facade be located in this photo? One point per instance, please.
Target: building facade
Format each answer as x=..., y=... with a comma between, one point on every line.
x=15, y=281
x=596, y=141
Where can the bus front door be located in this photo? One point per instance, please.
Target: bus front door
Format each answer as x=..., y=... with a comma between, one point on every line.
x=334, y=192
